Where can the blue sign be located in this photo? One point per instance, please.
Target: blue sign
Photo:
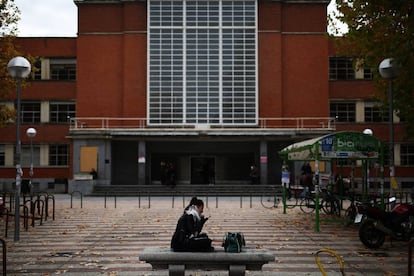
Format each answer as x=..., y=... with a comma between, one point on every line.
x=327, y=143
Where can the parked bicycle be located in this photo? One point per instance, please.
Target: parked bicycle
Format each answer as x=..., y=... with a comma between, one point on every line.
x=272, y=198
x=297, y=194
x=328, y=203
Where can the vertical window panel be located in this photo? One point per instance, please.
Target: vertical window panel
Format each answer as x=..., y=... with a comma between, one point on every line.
x=198, y=68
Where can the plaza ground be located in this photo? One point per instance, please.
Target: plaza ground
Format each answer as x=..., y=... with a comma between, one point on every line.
x=105, y=238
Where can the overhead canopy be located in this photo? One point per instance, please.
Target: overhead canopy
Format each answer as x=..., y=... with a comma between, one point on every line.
x=344, y=144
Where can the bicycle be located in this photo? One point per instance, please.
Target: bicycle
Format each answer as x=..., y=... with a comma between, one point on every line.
x=328, y=203
x=295, y=198
x=307, y=204
x=272, y=199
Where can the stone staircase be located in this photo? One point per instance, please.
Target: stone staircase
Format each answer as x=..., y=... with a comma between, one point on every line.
x=185, y=190
x=94, y=240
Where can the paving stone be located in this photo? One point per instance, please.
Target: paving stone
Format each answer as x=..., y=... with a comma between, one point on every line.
x=94, y=240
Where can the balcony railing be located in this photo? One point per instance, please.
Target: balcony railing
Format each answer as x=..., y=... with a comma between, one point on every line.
x=298, y=123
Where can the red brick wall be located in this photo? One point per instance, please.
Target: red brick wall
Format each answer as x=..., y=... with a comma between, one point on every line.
x=112, y=64
x=293, y=58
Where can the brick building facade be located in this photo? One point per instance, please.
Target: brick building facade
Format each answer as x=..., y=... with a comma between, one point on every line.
x=210, y=87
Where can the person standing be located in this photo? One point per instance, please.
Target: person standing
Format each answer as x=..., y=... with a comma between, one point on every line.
x=254, y=176
x=286, y=180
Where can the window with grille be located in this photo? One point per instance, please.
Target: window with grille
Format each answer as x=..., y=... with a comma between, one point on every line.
x=37, y=70
x=202, y=62
x=30, y=154
x=63, y=69
x=343, y=111
x=407, y=154
x=58, y=155
x=2, y=156
x=373, y=113
x=30, y=112
x=61, y=112
x=341, y=68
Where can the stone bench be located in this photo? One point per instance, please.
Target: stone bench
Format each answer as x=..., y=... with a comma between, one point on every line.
x=178, y=262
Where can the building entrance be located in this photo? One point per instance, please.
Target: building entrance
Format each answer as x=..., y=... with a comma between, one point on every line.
x=202, y=170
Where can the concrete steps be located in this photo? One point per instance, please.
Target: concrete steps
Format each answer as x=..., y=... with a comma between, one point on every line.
x=95, y=240
x=200, y=190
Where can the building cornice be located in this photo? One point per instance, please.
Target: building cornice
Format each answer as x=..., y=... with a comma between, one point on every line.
x=122, y=1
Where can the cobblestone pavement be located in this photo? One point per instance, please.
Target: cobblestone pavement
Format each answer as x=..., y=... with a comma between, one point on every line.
x=94, y=240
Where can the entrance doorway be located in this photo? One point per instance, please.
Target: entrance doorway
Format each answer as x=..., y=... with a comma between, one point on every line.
x=202, y=170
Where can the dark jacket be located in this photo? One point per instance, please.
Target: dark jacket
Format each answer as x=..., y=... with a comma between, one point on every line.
x=187, y=234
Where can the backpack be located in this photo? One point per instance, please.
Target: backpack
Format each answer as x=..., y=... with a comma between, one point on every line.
x=233, y=242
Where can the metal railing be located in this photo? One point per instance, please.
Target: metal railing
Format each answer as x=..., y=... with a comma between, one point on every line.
x=80, y=123
x=175, y=198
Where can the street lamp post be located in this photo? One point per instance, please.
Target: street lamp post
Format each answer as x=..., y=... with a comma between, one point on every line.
x=366, y=162
x=389, y=69
x=31, y=132
x=19, y=68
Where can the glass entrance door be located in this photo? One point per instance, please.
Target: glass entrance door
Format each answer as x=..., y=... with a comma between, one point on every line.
x=202, y=170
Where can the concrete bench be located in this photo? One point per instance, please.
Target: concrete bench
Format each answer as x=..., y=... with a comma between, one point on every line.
x=178, y=262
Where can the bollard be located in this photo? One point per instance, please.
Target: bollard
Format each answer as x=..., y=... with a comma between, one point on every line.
x=139, y=200
x=173, y=199
x=71, y=200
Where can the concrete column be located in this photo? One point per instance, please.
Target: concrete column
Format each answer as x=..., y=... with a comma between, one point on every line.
x=141, y=162
x=263, y=162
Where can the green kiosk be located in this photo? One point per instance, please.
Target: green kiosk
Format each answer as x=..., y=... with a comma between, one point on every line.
x=338, y=145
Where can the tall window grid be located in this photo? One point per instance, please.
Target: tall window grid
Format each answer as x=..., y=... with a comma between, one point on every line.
x=63, y=69
x=27, y=157
x=58, y=155
x=61, y=112
x=407, y=154
x=2, y=155
x=373, y=113
x=30, y=112
x=343, y=111
x=202, y=62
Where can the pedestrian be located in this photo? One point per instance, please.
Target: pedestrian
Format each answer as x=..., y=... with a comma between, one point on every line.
x=170, y=175
x=163, y=173
x=286, y=180
x=94, y=174
x=253, y=174
x=188, y=236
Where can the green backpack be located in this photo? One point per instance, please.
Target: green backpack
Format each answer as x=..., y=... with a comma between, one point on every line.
x=233, y=242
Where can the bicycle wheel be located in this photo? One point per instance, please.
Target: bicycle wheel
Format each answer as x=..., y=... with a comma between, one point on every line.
x=292, y=203
x=350, y=215
x=326, y=206
x=307, y=205
x=268, y=201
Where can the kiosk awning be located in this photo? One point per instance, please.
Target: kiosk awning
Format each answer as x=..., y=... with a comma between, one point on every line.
x=344, y=144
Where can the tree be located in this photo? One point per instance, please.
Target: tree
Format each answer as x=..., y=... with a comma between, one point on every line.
x=9, y=17
x=379, y=29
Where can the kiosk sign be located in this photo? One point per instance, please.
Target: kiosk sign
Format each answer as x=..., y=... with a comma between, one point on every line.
x=350, y=145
